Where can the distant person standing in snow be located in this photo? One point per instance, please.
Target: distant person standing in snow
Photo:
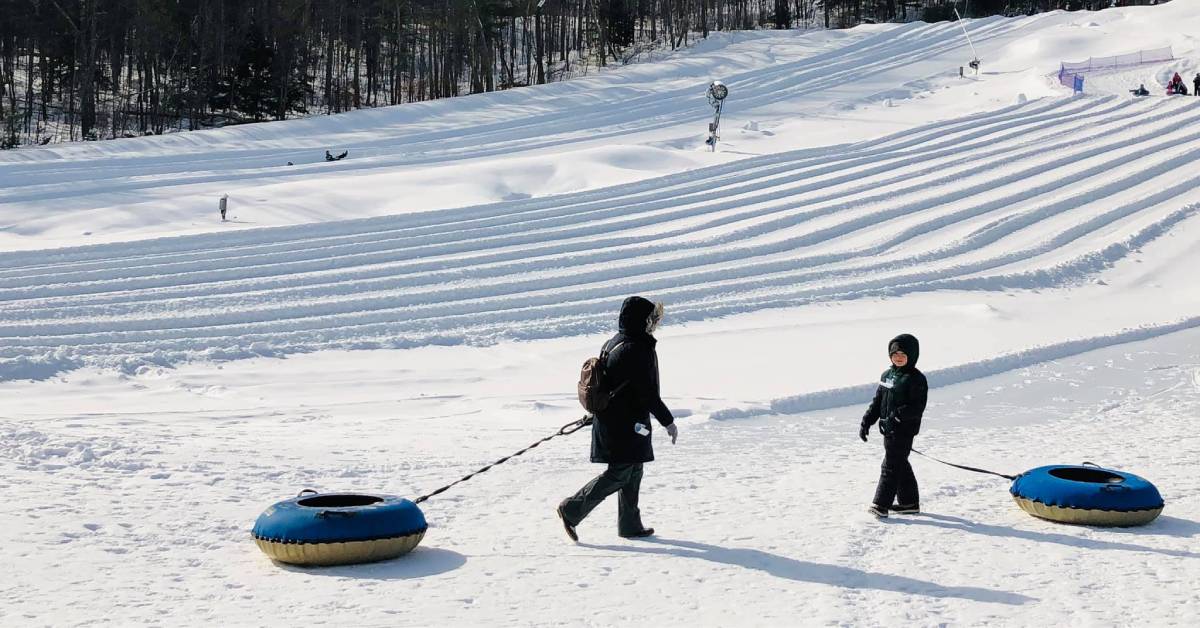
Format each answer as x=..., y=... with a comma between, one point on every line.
x=1196, y=84
x=621, y=431
x=898, y=405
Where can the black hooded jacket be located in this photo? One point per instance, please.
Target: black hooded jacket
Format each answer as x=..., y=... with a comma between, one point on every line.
x=900, y=399
x=632, y=359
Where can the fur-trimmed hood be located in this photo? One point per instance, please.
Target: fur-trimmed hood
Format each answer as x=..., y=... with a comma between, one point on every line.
x=635, y=318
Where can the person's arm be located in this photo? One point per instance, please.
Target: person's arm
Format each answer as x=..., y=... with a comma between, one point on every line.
x=644, y=379
x=872, y=413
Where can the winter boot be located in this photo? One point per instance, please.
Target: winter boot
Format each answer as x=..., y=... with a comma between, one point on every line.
x=644, y=532
x=907, y=509
x=570, y=529
x=880, y=513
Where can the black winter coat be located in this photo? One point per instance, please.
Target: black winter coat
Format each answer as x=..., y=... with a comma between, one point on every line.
x=900, y=399
x=632, y=359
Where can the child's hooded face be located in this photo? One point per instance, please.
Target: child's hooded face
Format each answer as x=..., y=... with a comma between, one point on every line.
x=903, y=351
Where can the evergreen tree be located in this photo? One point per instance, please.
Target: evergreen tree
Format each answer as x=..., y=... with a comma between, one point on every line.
x=252, y=86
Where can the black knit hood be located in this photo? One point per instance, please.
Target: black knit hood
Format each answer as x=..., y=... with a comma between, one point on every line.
x=909, y=345
x=634, y=313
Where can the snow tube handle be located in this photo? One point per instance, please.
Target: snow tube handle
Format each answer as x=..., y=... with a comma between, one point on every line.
x=307, y=490
x=1115, y=487
x=1090, y=464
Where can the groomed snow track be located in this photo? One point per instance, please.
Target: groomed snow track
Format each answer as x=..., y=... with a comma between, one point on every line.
x=499, y=125
x=1036, y=195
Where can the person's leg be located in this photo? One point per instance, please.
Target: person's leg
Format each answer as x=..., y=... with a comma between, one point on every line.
x=907, y=492
x=629, y=517
x=895, y=457
x=576, y=507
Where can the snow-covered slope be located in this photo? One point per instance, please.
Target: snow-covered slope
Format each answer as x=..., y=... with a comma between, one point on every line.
x=1037, y=196
x=392, y=321
x=797, y=89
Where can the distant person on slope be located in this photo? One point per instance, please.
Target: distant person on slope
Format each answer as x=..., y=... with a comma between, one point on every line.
x=898, y=405
x=1176, y=85
x=1140, y=91
x=621, y=432
x=1196, y=84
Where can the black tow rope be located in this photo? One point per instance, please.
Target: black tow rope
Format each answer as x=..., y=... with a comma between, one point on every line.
x=569, y=428
x=959, y=466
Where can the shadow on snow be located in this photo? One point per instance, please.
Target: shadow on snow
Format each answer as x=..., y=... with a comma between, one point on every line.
x=1172, y=526
x=420, y=563
x=803, y=571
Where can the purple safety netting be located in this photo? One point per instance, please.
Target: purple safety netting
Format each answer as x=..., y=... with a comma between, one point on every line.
x=1070, y=73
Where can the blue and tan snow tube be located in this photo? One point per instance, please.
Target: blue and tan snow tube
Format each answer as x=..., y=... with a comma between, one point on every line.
x=1087, y=495
x=339, y=529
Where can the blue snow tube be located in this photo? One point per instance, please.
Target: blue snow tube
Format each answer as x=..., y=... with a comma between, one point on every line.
x=1087, y=495
x=339, y=528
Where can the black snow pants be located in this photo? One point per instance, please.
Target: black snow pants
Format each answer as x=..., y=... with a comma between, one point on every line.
x=896, y=479
x=625, y=479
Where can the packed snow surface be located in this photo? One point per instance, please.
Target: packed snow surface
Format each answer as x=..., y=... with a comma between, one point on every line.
x=397, y=319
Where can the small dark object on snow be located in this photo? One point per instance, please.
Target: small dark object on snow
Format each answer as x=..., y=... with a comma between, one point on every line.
x=291, y=164
x=1140, y=91
x=329, y=157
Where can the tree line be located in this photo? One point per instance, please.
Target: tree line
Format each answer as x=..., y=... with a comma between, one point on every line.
x=97, y=69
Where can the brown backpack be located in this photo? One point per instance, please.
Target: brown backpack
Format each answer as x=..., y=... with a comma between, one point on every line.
x=594, y=393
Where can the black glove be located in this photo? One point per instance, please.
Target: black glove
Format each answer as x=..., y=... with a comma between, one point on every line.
x=863, y=430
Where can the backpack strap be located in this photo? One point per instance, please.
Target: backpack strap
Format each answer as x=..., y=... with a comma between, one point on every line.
x=604, y=352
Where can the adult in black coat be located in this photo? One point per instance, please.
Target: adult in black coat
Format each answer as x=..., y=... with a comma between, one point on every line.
x=1196, y=84
x=898, y=406
x=621, y=432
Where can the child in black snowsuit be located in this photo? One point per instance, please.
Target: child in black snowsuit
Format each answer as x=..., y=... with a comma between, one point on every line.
x=898, y=405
